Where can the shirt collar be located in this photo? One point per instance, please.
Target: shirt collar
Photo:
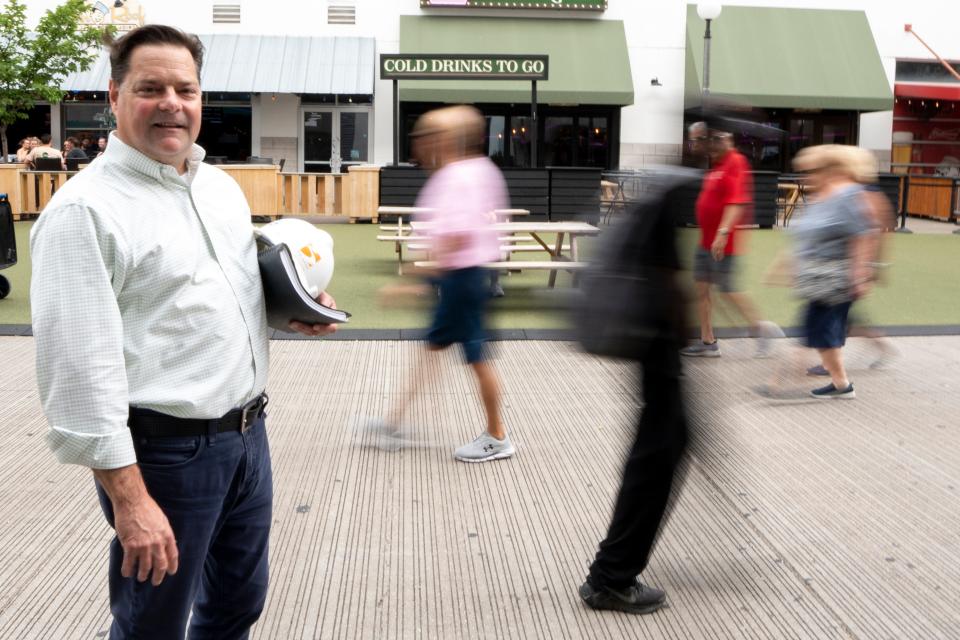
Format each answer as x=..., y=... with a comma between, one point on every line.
x=120, y=152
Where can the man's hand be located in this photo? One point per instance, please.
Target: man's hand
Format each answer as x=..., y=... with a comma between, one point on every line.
x=149, y=547
x=317, y=329
x=718, y=247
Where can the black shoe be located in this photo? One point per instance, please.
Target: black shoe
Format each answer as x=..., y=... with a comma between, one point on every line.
x=637, y=598
x=831, y=392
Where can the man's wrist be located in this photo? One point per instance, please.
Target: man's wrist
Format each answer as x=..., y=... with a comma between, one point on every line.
x=723, y=231
x=124, y=486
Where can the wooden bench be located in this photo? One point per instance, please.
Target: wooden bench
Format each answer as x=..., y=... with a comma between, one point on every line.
x=508, y=245
x=559, y=261
x=519, y=265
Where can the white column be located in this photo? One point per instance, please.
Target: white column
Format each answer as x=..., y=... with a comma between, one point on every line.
x=56, y=126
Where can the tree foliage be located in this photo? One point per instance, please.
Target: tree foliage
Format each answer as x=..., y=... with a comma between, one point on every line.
x=34, y=63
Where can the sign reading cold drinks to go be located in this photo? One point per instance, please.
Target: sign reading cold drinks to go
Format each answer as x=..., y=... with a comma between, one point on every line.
x=576, y=5
x=415, y=66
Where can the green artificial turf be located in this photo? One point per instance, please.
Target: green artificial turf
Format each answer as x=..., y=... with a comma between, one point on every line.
x=922, y=288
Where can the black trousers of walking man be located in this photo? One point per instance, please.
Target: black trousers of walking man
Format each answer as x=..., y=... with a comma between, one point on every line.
x=648, y=473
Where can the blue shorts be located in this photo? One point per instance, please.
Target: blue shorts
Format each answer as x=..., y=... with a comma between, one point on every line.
x=459, y=316
x=826, y=325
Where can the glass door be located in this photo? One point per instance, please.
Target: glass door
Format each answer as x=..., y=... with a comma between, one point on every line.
x=335, y=138
x=317, y=140
x=352, y=146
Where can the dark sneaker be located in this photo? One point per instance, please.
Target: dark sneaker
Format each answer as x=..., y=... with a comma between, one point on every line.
x=830, y=391
x=702, y=349
x=637, y=598
x=818, y=370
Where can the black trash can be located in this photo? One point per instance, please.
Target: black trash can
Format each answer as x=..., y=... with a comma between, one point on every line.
x=8, y=242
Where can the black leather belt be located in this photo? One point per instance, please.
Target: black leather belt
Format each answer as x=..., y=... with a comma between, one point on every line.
x=151, y=424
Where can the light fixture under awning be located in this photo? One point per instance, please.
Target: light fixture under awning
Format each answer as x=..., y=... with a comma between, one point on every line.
x=927, y=90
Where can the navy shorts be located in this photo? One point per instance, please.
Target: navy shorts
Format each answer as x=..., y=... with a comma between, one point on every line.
x=826, y=325
x=459, y=316
x=721, y=274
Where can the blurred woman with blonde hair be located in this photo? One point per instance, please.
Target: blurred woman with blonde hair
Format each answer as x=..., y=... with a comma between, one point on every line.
x=834, y=244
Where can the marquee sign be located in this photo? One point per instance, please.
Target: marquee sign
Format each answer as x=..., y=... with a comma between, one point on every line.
x=416, y=66
x=123, y=15
x=575, y=5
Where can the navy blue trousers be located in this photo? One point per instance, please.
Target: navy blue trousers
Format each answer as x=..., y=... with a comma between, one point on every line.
x=217, y=492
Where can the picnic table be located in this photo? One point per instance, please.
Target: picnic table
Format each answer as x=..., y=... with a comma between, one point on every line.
x=563, y=252
x=403, y=236
x=389, y=210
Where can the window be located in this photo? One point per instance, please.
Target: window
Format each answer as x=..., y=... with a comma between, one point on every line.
x=226, y=13
x=354, y=136
x=558, y=139
x=592, y=142
x=495, y=139
x=225, y=132
x=575, y=136
x=520, y=135
x=87, y=120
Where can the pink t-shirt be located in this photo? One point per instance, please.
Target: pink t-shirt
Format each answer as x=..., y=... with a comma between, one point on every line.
x=462, y=197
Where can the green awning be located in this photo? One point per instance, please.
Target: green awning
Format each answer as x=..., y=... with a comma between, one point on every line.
x=589, y=63
x=788, y=58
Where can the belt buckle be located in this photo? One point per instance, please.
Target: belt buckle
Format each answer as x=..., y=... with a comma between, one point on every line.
x=251, y=411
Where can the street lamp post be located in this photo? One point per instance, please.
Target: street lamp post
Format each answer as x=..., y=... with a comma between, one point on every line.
x=707, y=11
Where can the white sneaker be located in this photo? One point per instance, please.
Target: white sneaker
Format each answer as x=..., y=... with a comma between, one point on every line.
x=767, y=331
x=485, y=448
x=382, y=435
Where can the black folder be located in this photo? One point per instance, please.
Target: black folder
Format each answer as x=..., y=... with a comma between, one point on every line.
x=285, y=296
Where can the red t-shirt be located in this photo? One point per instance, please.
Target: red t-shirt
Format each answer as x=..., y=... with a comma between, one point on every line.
x=727, y=182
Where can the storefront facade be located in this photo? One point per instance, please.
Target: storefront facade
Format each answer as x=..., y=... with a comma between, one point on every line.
x=926, y=119
x=808, y=73
x=623, y=103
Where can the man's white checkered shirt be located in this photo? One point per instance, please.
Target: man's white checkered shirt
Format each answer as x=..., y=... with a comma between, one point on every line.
x=145, y=292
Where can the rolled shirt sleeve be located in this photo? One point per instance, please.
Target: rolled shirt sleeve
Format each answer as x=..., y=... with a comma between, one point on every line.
x=77, y=269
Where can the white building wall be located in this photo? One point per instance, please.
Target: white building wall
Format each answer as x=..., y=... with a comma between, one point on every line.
x=651, y=128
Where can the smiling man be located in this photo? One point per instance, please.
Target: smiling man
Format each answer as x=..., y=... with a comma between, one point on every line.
x=152, y=355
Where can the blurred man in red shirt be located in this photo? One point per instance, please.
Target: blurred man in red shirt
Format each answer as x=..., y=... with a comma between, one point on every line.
x=725, y=201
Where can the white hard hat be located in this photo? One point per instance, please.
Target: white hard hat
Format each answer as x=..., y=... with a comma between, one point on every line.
x=311, y=248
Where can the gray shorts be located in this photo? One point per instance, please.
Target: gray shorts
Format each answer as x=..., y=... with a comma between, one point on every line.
x=721, y=274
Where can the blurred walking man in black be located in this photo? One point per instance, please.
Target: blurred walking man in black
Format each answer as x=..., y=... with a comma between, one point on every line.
x=613, y=581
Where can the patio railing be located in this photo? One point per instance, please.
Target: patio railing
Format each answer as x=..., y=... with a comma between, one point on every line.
x=271, y=194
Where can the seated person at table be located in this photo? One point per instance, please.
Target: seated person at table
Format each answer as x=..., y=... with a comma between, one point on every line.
x=24, y=150
x=44, y=150
x=72, y=151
